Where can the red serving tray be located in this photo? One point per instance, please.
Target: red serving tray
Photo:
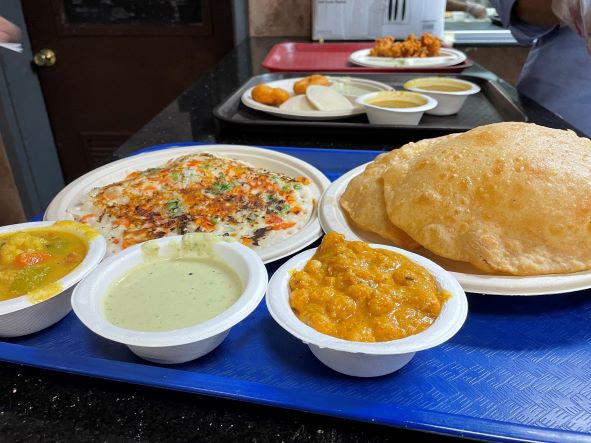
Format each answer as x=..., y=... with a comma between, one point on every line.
x=332, y=57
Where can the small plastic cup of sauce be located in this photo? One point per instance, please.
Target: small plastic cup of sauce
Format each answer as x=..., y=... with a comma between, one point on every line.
x=183, y=342
x=396, y=107
x=367, y=359
x=450, y=93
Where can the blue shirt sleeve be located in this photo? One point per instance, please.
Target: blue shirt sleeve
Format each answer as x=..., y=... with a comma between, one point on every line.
x=522, y=32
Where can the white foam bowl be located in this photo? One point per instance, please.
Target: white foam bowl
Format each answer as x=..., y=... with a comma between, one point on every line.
x=179, y=345
x=378, y=115
x=448, y=102
x=367, y=359
x=19, y=316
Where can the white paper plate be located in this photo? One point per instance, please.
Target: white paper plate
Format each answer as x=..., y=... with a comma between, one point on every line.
x=264, y=158
x=287, y=84
x=333, y=218
x=447, y=57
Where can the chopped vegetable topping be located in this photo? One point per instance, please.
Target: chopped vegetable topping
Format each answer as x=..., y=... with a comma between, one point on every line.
x=221, y=187
x=173, y=207
x=199, y=193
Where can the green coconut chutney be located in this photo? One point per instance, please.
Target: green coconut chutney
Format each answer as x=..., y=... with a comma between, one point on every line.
x=167, y=294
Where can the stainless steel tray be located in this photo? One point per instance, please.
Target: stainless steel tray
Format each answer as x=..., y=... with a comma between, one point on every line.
x=490, y=105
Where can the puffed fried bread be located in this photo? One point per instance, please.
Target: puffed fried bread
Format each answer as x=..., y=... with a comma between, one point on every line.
x=506, y=197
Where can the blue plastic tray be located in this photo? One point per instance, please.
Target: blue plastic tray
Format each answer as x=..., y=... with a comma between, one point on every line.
x=519, y=369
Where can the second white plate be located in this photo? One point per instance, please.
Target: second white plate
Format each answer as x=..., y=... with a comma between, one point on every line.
x=447, y=57
x=333, y=218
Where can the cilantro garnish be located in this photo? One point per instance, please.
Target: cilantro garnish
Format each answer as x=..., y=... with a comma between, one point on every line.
x=221, y=187
x=174, y=207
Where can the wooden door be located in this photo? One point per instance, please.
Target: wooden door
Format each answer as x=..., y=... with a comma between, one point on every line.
x=118, y=63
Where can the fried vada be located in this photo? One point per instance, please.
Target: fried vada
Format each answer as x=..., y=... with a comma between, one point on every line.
x=267, y=95
x=301, y=86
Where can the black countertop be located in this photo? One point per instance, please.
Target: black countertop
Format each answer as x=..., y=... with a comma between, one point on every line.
x=42, y=405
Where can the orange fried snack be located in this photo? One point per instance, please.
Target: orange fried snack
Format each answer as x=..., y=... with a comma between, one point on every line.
x=269, y=96
x=427, y=46
x=300, y=86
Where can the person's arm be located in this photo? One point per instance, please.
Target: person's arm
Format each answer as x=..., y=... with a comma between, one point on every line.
x=474, y=9
x=525, y=17
x=455, y=5
x=530, y=19
x=9, y=32
x=535, y=12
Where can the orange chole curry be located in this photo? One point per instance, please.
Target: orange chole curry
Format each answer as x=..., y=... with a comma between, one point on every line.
x=354, y=292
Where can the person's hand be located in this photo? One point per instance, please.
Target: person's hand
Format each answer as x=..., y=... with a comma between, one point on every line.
x=476, y=10
x=9, y=32
x=577, y=15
